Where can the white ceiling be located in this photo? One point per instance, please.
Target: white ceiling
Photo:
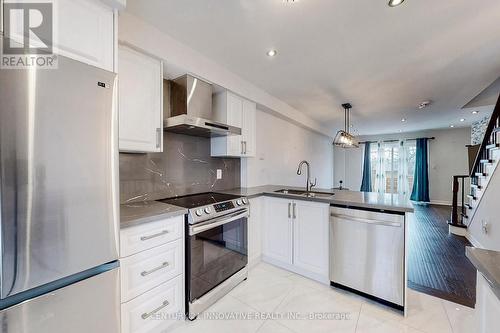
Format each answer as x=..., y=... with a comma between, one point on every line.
x=383, y=60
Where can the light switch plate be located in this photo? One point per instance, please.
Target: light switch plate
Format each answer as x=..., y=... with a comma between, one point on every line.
x=219, y=173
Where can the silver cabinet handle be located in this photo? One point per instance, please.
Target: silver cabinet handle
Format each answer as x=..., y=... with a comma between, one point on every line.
x=164, y=232
x=245, y=147
x=146, y=315
x=242, y=150
x=163, y=265
x=294, y=210
x=369, y=221
x=158, y=137
x=289, y=206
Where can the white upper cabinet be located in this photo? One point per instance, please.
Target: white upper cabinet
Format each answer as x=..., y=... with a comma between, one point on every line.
x=140, y=80
x=248, y=128
x=86, y=32
x=233, y=110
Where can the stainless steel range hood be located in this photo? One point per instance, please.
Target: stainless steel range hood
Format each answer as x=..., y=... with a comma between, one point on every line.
x=188, y=109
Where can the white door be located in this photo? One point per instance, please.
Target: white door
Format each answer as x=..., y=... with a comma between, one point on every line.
x=234, y=118
x=86, y=32
x=140, y=101
x=310, y=243
x=248, y=128
x=277, y=230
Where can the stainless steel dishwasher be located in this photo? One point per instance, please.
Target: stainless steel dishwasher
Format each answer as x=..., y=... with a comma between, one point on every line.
x=367, y=253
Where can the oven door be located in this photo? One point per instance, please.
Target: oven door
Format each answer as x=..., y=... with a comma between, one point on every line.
x=216, y=250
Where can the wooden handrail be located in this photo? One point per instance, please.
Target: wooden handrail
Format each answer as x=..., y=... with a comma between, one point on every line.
x=487, y=135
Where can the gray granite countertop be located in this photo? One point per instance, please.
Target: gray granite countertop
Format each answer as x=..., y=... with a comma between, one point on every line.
x=141, y=212
x=487, y=262
x=388, y=202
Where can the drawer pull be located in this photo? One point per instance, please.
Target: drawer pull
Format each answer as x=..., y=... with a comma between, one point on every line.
x=165, y=264
x=164, y=232
x=149, y=314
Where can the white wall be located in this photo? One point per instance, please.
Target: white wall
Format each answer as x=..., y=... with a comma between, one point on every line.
x=281, y=145
x=447, y=157
x=487, y=213
x=348, y=167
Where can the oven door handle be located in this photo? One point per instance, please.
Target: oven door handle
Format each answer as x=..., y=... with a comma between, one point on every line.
x=196, y=229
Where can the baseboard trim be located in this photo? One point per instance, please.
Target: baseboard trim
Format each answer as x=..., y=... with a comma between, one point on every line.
x=473, y=240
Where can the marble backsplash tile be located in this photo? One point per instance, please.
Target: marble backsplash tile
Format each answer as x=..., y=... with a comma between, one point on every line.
x=184, y=167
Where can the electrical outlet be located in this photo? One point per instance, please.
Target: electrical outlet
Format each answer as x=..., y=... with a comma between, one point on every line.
x=484, y=226
x=219, y=173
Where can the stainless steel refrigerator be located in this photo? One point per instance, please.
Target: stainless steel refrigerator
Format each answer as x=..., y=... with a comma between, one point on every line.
x=59, y=200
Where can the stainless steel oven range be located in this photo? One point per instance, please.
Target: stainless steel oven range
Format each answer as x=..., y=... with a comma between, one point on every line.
x=216, y=247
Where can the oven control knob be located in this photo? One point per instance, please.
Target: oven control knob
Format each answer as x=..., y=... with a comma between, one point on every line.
x=245, y=201
x=239, y=202
x=207, y=210
x=198, y=212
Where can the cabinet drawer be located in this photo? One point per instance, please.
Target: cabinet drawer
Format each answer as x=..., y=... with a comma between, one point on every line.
x=145, y=270
x=148, y=235
x=155, y=310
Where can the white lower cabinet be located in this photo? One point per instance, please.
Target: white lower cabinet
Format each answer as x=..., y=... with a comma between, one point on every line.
x=295, y=236
x=154, y=310
x=255, y=230
x=487, y=307
x=152, y=275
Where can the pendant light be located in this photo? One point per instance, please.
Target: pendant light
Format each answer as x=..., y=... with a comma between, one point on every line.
x=343, y=138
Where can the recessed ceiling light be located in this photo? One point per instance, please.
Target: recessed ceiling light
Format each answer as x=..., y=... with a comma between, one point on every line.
x=452, y=126
x=271, y=53
x=400, y=131
x=394, y=3
x=424, y=104
x=462, y=119
x=403, y=120
x=475, y=112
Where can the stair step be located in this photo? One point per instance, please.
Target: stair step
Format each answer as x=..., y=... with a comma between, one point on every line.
x=470, y=196
x=476, y=186
x=493, y=146
x=458, y=225
x=481, y=174
x=464, y=216
x=486, y=161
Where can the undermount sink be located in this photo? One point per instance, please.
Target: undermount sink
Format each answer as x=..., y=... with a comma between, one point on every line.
x=310, y=194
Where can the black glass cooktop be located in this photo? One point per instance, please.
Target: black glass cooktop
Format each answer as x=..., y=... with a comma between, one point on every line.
x=198, y=200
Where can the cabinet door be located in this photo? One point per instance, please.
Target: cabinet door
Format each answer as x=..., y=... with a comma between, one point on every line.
x=234, y=118
x=140, y=101
x=255, y=230
x=86, y=32
x=248, y=128
x=277, y=227
x=487, y=307
x=310, y=243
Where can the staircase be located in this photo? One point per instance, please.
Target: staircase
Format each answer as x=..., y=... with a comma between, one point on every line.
x=485, y=164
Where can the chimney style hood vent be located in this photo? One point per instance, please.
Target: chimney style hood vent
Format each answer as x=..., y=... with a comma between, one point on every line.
x=188, y=109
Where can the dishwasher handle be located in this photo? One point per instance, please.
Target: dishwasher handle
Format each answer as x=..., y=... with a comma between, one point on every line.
x=365, y=220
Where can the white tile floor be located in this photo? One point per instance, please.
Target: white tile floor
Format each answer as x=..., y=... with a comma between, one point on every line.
x=270, y=291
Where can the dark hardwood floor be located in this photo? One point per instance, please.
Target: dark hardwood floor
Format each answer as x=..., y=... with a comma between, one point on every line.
x=436, y=259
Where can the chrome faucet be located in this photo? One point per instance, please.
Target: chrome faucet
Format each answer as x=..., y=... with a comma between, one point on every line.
x=309, y=184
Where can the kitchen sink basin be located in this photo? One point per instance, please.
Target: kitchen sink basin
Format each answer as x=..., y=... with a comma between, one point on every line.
x=310, y=194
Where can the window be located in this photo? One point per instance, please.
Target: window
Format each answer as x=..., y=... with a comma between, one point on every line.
x=393, y=166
